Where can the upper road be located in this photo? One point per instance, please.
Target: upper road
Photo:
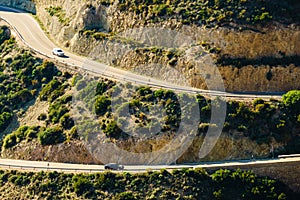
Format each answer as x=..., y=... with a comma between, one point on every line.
x=32, y=35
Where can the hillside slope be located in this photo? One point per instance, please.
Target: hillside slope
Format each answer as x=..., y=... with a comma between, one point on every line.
x=255, y=44
x=178, y=184
x=37, y=122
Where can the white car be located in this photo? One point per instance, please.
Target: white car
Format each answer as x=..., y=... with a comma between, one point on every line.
x=113, y=166
x=58, y=52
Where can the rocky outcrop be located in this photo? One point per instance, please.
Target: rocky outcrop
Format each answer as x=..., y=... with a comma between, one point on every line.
x=273, y=41
x=255, y=78
x=77, y=15
x=70, y=152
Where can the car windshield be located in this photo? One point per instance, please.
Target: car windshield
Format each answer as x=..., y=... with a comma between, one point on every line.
x=59, y=50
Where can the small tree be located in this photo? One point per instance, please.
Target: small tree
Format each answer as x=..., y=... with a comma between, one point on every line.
x=102, y=104
x=112, y=130
x=82, y=185
x=4, y=34
x=51, y=136
x=66, y=121
x=291, y=101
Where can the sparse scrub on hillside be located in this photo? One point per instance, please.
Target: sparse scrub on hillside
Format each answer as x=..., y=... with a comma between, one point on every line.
x=21, y=76
x=211, y=12
x=59, y=13
x=95, y=34
x=53, y=90
x=22, y=133
x=271, y=61
x=262, y=121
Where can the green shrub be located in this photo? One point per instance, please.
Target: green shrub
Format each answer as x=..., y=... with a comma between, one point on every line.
x=56, y=111
x=102, y=105
x=242, y=128
x=48, y=89
x=20, y=97
x=112, y=130
x=5, y=119
x=66, y=121
x=258, y=101
x=22, y=133
x=51, y=136
x=42, y=116
x=46, y=70
x=81, y=185
x=128, y=195
x=291, y=100
x=19, y=180
x=101, y=88
x=4, y=33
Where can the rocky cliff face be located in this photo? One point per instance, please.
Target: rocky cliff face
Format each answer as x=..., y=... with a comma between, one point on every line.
x=72, y=17
x=72, y=152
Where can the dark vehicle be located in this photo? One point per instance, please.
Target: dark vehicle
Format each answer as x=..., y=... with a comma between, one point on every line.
x=113, y=166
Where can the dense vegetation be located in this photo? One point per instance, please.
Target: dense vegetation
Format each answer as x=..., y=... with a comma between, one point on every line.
x=23, y=78
x=208, y=12
x=178, y=184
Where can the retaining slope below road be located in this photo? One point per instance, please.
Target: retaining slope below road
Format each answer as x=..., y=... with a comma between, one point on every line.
x=287, y=172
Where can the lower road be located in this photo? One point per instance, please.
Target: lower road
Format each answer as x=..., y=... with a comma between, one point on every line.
x=67, y=167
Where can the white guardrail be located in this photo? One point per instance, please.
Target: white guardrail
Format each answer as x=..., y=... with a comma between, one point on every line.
x=50, y=168
x=289, y=156
x=71, y=167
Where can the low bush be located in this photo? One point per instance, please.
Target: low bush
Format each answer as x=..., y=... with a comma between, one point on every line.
x=5, y=119
x=102, y=105
x=112, y=130
x=82, y=185
x=22, y=133
x=52, y=90
x=51, y=136
x=66, y=121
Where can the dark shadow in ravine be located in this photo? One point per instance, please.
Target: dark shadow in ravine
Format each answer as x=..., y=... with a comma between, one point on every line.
x=27, y=7
x=266, y=60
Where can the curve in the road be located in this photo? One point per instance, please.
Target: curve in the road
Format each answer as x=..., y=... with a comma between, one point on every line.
x=29, y=31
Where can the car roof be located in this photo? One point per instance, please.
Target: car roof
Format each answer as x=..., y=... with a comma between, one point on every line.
x=111, y=164
x=57, y=49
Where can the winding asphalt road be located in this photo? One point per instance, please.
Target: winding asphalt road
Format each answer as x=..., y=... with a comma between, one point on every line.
x=66, y=167
x=33, y=36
